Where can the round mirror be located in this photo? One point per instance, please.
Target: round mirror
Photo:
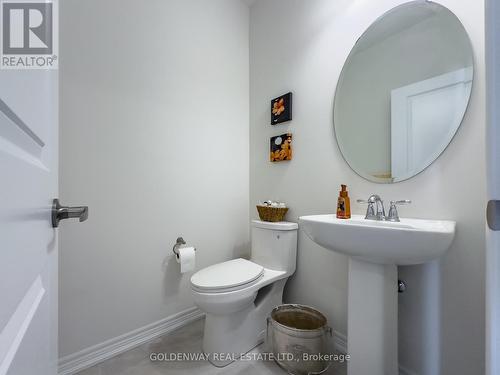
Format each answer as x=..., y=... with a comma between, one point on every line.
x=403, y=92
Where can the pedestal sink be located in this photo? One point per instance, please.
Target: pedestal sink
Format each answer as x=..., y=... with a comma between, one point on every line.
x=375, y=249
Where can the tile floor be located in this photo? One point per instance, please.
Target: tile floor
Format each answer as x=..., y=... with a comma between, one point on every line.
x=185, y=340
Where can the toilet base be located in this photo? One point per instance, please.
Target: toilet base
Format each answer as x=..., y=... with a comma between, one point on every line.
x=229, y=336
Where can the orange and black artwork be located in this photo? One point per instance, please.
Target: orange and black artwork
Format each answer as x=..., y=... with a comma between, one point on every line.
x=281, y=109
x=281, y=147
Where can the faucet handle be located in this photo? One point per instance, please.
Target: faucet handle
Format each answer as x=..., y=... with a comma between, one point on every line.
x=370, y=210
x=393, y=211
x=404, y=201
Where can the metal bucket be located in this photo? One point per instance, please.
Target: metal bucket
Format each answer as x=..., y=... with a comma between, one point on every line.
x=296, y=334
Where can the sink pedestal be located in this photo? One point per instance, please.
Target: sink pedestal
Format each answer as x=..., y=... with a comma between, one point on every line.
x=372, y=327
x=375, y=249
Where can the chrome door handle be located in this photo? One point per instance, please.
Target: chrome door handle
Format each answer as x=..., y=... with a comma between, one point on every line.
x=493, y=215
x=63, y=212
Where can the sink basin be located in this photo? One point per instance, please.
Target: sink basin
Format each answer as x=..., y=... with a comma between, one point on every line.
x=410, y=241
x=375, y=249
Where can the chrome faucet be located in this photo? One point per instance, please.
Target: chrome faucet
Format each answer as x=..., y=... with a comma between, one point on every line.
x=376, y=210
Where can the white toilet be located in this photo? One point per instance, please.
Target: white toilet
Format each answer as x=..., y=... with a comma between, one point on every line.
x=239, y=294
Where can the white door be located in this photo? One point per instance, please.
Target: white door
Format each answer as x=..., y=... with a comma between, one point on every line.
x=28, y=243
x=425, y=116
x=493, y=186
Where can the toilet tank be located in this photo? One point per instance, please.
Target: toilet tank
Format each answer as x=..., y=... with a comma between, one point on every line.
x=274, y=245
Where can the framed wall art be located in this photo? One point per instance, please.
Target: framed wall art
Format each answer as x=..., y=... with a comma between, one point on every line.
x=281, y=147
x=281, y=109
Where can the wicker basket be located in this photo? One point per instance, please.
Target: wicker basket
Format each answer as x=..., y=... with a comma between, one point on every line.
x=274, y=214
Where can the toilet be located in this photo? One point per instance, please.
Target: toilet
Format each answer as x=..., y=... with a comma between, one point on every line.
x=238, y=295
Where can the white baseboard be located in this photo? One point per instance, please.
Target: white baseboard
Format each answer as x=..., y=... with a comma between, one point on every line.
x=89, y=357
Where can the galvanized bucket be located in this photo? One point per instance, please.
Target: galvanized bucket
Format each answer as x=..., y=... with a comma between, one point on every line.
x=296, y=334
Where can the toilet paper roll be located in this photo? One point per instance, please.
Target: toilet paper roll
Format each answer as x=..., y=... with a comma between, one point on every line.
x=186, y=259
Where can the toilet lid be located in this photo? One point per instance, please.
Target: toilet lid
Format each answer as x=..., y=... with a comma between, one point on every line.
x=228, y=274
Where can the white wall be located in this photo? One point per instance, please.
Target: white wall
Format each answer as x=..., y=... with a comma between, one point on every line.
x=301, y=46
x=154, y=138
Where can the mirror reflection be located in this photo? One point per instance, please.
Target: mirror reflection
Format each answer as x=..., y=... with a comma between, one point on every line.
x=403, y=92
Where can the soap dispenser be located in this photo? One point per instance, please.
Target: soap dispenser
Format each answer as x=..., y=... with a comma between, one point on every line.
x=343, y=204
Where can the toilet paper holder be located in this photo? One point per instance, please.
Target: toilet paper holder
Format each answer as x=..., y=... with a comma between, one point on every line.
x=178, y=244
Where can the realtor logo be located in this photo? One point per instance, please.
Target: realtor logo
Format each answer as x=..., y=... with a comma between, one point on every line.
x=29, y=34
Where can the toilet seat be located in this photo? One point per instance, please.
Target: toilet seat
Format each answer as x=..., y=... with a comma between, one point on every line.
x=230, y=275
